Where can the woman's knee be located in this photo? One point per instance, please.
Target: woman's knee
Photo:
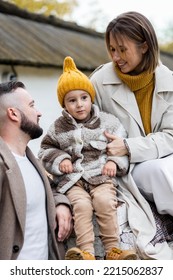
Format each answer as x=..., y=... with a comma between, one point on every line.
x=148, y=168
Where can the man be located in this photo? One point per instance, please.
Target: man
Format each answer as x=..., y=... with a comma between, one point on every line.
x=27, y=207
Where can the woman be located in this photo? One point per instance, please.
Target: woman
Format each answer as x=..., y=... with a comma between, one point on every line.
x=138, y=89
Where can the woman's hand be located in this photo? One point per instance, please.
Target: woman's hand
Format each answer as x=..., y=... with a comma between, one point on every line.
x=116, y=146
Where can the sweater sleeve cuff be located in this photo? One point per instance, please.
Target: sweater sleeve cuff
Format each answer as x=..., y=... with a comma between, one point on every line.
x=128, y=149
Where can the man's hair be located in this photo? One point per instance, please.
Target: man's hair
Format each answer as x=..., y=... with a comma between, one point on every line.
x=9, y=87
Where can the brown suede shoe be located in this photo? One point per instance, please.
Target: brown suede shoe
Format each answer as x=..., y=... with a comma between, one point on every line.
x=117, y=254
x=77, y=254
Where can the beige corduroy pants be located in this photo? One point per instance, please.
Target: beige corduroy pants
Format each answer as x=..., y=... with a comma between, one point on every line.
x=103, y=202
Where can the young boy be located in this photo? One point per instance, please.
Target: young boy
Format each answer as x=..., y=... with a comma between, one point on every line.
x=74, y=152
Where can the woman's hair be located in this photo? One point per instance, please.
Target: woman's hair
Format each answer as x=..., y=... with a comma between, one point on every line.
x=139, y=29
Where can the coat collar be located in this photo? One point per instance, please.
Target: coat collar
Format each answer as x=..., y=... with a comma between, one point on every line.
x=122, y=94
x=164, y=79
x=163, y=76
x=18, y=193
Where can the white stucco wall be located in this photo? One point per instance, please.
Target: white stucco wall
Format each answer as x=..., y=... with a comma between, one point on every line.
x=41, y=84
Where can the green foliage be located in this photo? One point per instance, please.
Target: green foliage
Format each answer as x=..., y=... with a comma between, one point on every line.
x=56, y=8
x=167, y=48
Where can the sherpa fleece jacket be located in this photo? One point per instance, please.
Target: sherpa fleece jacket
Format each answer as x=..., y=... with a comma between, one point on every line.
x=85, y=145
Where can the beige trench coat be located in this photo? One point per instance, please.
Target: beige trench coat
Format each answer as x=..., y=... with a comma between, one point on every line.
x=13, y=206
x=115, y=97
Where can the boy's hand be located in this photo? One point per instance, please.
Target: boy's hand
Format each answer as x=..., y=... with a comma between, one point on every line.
x=66, y=166
x=109, y=169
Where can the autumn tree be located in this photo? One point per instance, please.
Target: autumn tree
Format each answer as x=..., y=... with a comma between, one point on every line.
x=58, y=8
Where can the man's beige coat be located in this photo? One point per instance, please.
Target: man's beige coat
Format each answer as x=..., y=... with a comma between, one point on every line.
x=13, y=206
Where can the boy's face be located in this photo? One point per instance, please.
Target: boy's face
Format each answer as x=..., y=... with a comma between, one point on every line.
x=78, y=104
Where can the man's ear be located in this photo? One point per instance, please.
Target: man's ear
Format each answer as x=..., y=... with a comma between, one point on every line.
x=12, y=114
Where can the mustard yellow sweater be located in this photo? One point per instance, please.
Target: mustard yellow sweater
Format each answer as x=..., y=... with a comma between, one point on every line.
x=142, y=85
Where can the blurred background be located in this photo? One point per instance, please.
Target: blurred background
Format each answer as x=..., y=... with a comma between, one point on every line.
x=36, y=35
x=96, y=14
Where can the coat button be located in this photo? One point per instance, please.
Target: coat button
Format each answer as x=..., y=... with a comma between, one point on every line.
x=15, y=248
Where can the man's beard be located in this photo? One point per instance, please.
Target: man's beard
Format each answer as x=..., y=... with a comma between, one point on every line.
x=29, y=127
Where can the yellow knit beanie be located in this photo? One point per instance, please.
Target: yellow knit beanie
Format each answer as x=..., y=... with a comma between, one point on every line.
x=73, y=79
